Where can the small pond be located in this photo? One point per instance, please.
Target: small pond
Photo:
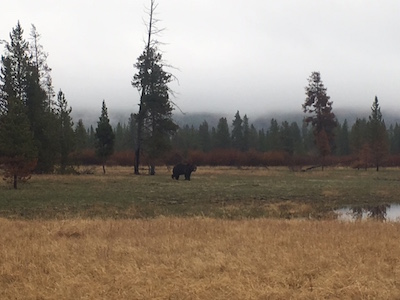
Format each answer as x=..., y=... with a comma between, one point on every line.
x=384, y=212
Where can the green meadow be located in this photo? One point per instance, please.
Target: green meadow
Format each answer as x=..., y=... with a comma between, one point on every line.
x=217, y=192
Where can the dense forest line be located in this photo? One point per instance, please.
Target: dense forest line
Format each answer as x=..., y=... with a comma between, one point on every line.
x=38, y=133
x=231, y=141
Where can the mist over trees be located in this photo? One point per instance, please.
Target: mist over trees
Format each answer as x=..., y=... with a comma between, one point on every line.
x=38, y=133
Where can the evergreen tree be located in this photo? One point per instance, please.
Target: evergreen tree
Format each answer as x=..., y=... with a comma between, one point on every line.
x=253, y=138
x=246, y=134
x=186, y=139
x=273, y=139
x=358, y=135
x=323, y=145
x=17, y=148
x=342, y=139
x=127, y=138
x=323, y=120
x=15, y=67
x=130, y=134
x=297, y=140
x=237, y=132
x=395, y=139
x=378, y=139
x=104, y=137
x=286, y=137
x=308, y=139
x=66, y=135
x=91, y=134
x=21, y=79
x=39, y=62
x=154, y=119
x=222, y=135
x=81, y=136
x=204, y=137
x=213, y=136
x=40, y=95
x=119, y=137
x=6, y=90
x=262, y=141
x=194, y=138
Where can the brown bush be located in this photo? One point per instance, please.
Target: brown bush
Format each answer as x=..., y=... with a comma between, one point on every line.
x=253, y=158
x=123, y=158
x=274, y=158
x=198, y=158
x=173, y=157
x=346, y=160
x=393, y=161
x=85, y=157
x=224, y=157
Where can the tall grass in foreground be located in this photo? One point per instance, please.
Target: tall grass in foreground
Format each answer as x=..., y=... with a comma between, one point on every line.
x=198, y=258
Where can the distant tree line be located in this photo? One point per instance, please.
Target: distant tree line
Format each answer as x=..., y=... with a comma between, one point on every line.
x=37, y=133
x=360, y=144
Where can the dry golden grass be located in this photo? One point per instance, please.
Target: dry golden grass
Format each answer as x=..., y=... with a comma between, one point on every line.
x=198, y=258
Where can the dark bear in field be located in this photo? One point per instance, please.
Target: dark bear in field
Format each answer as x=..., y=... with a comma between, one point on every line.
x=183, y=169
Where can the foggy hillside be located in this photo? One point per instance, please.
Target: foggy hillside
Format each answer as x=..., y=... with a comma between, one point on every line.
x=90, y=117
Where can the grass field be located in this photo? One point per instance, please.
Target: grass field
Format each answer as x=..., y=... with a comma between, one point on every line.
x=198, y=258
x=213, y=192
x=223, y=235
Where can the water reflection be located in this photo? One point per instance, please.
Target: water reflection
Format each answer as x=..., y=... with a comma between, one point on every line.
x=384, y=212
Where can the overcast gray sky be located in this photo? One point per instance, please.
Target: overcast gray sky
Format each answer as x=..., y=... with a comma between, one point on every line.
x=249, y=55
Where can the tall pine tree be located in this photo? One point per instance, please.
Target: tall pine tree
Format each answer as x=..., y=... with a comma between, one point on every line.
x=154, y=118
x=378, y=139
x=246, y=134
x=81, y=136
x=237, y=132
x=17, y=149
x=204, y=137
x=222, y=135
x=104, y=137
x=322, y=118
x=66, y=135
x=21, y=76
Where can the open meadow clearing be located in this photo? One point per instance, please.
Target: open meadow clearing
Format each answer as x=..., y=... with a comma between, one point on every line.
x=229, y=233
x=220, y=192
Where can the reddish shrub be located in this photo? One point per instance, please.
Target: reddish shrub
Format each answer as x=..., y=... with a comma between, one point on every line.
x=393, y=160
x=173, y=157
x=346, y=160
x=198, y=158
x=274, y=158
x=224, y=157
x=253, y=158
x=123, y=158
x=85, y=157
